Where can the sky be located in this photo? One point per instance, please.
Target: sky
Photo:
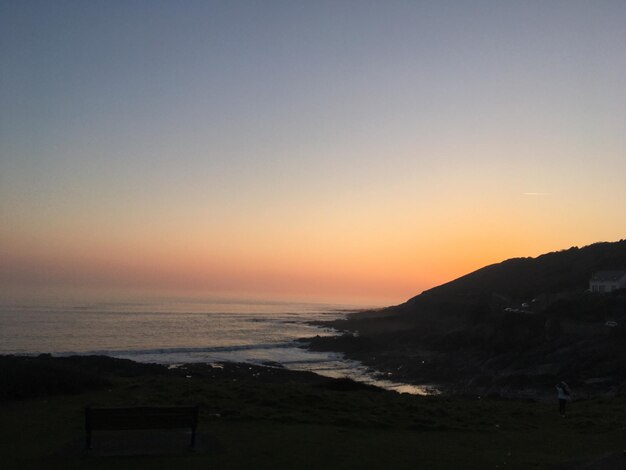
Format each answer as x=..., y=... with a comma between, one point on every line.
x=348, y=151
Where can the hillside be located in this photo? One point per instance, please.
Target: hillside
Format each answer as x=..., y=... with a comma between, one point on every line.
x=517, y=325
x=525, y=278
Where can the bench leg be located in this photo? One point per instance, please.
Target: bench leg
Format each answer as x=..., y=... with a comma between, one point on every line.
x=88, y=440
x=193, y=437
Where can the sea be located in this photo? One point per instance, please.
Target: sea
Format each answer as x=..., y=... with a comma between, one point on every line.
x=183, y=331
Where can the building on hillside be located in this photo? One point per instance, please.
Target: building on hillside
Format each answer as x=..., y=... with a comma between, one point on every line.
x=607, y=281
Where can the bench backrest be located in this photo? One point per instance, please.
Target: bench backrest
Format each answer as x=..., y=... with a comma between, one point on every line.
x=175, y=417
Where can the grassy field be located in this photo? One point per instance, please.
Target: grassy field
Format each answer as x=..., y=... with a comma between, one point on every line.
x=260, y=418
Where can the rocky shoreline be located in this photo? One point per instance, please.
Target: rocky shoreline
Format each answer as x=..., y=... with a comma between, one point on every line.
x=594, y=366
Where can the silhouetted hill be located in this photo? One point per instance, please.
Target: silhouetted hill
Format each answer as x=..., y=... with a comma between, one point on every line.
x=525, y=278
x=522, y=324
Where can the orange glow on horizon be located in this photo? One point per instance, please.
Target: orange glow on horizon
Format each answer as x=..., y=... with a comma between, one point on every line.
x=389, y=273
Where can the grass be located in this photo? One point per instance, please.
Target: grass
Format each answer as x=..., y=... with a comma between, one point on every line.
x=304, y=424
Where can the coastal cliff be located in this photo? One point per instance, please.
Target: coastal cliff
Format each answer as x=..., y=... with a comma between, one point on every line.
x=512, y=328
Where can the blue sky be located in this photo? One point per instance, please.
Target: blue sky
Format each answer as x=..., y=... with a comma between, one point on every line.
x=305, y=141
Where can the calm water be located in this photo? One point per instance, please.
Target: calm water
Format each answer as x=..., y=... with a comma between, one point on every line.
x=174, y=332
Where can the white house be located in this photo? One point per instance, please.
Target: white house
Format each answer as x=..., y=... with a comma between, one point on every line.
x=607, y=281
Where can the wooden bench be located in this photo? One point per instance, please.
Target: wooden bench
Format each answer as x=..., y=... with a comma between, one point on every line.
x=175, y=417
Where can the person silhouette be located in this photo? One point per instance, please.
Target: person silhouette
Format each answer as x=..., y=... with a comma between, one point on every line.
x=564, y=395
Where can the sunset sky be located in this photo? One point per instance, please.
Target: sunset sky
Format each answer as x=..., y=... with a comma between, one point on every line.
x=348, y=151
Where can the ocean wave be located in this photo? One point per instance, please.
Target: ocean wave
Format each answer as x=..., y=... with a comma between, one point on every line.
x=167, y=351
